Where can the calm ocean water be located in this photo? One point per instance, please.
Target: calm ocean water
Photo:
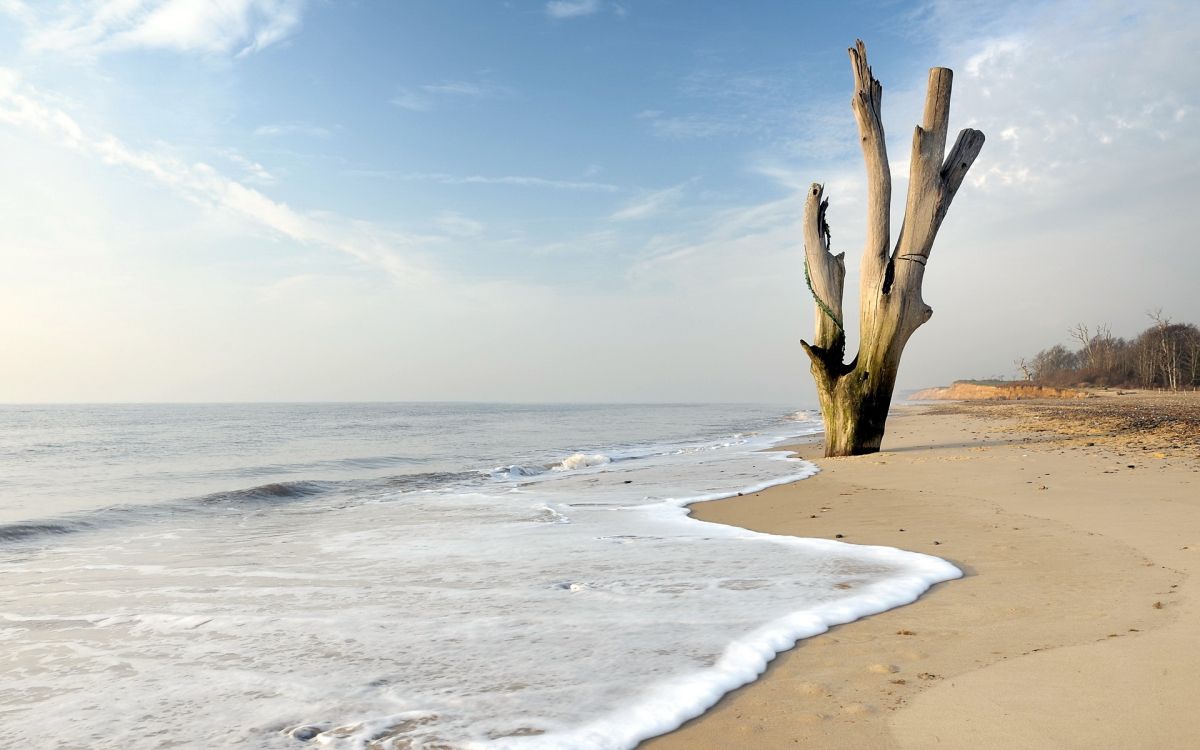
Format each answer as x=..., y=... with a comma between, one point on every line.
x=399, y=575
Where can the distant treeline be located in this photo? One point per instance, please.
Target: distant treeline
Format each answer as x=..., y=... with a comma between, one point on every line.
x=1165, y=355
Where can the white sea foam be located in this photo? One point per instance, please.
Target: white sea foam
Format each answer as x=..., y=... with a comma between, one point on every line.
x=573, y=462
x=577, y=608
x=582, y=461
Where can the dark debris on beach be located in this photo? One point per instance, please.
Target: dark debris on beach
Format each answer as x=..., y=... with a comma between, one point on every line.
x=1162, y=422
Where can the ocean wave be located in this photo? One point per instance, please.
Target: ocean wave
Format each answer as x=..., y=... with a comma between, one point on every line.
x=331, y=465
x=429, y=480
x=513, y=471
x=264, y=493
x=17, y=532
x=116, y=516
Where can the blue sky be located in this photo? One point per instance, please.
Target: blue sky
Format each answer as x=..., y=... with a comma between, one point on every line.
x=571, y=200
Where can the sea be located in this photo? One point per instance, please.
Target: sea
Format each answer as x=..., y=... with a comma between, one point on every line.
x=391, y=576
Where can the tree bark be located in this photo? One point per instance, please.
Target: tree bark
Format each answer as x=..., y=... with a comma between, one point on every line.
x=855, y=397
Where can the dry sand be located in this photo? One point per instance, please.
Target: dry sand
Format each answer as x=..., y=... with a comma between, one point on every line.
x=1077, y=624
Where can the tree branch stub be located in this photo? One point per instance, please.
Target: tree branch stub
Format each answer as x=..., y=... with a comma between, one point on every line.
x=826, y=273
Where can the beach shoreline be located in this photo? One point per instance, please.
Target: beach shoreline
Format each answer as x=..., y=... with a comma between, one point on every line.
x=1077, y=529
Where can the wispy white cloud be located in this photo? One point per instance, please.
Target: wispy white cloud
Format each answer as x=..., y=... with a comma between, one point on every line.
x=995, y=60
x=725, y=244
x=698, y=125
x=514, y=180
x=23, y=106
x=711, y=103
x=254, y=172
x=573, y=8
x=292, y=128
x=429, y=96
x=413, y=101
x=788, y=177
x=650, y=204
x=527, y=181
x=458, y=225
x=460, y=88
x=602, y=242
x=80, y=27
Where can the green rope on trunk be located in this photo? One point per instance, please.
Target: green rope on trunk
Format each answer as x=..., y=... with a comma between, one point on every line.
x=820, y=302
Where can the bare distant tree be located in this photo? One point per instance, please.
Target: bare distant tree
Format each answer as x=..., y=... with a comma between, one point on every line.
x=1168, y=349
x=1023, y=365
x=1081, y=334
x=1103, y=349
x=855, y=397
x=1097, y=353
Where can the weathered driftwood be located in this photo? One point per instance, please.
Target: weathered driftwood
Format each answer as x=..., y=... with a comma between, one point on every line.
x=854, y=397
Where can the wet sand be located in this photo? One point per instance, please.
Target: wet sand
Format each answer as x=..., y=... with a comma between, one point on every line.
x=1078, y=528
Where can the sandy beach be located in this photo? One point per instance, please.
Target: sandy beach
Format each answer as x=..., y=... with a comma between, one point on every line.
x=1078, y=528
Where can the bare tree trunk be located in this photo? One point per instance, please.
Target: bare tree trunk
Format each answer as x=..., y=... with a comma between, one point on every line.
x=1147, y=364
x=1191, y=364
x=855, y=397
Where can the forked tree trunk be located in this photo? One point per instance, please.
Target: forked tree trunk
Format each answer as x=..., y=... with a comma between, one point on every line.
x=854, y=397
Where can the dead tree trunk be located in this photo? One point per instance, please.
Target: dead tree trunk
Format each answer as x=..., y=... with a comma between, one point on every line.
x=855, y=397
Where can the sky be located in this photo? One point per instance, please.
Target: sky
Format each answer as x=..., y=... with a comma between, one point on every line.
x=575, y=200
